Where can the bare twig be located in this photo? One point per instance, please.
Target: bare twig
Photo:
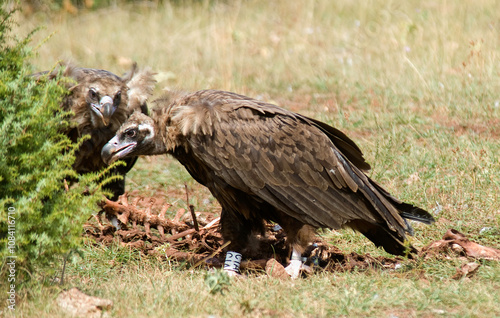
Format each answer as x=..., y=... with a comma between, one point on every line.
x=213, y=254
x=191, y=209
x=193, y=215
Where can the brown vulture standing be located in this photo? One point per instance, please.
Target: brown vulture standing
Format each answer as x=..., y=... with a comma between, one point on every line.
x=101, y=102
x=263, y=162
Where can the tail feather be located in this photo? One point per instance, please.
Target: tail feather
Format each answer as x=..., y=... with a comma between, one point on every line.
x=416, y=214
x=406, y=210
x=393, y=241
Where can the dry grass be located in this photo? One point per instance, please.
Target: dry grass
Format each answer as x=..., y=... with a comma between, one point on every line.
x=414, y=83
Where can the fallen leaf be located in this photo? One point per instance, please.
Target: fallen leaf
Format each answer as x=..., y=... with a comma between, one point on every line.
x=466, y=270
x=457, y=242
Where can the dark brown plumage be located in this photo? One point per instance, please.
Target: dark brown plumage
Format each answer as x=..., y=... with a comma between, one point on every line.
x=101, y=101
x=263, y=162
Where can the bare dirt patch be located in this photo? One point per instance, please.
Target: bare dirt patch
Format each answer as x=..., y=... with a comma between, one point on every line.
x=489, y=128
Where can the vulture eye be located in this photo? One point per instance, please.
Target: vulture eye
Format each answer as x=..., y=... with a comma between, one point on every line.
x=93, y=94
x=117, y=99
x=130, y=133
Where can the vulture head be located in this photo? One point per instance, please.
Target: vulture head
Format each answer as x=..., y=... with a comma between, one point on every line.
x=136, y=137
x=100, y=102
x=101, y=99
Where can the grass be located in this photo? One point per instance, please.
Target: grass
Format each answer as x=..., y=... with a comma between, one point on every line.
x=146, y=288
x=414, y=83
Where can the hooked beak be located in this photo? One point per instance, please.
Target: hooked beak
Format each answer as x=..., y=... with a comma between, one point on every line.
x=104, y=110
x=113, y=150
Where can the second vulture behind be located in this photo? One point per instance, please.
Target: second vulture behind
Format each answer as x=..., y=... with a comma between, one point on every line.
x=101, y=102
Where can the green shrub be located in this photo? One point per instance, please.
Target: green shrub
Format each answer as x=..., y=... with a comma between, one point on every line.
x=40, y=218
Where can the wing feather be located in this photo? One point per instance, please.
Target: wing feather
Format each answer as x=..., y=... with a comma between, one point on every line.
x=288, y=161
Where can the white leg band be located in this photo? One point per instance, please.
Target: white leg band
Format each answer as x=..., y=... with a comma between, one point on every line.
x=293, y=269
x=296, y=256
x=232, y=262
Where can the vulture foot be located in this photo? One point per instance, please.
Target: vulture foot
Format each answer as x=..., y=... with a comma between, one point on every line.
x=296, y=267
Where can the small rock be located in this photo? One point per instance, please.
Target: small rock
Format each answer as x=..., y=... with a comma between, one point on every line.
x=78, y=304
x=275, y=269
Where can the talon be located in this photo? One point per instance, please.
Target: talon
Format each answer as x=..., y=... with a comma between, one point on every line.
x=307, y=269
x=296, y=267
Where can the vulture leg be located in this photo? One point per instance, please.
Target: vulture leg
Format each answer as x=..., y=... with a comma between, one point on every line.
x=237, y=229
x=232, y=263
x=117, y=187
x=299, y=236
x=296, y=265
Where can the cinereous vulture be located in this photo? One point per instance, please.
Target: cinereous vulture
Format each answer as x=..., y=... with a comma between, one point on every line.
x=101, y=102
x=262, y=162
